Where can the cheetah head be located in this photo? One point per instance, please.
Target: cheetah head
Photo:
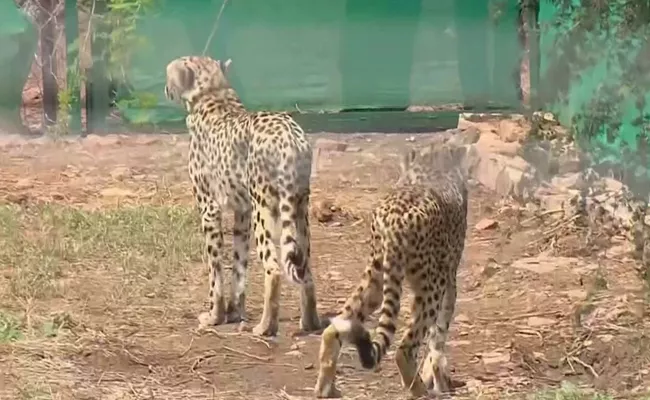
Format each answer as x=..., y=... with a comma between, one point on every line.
x=434, y=158
x=190, y=76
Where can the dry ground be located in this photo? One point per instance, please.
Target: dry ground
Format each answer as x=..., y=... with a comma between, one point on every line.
x=101, y=281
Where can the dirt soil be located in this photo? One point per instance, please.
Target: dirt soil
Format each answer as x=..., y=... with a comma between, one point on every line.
x=518, y=326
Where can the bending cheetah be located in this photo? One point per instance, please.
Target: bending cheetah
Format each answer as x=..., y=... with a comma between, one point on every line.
x=417, y=232
x=259, y=165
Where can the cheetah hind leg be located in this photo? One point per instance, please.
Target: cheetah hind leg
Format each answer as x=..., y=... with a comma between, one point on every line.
x=236, y=310
x=212, y=230
x=405, y=355
x=309, y=320
x=267, y=252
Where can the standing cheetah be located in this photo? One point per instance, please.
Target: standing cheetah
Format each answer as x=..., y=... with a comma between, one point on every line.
x=259, y=165
x=417, y=232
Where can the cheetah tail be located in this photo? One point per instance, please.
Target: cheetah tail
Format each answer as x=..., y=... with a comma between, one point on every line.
x=353, y=331
x=371, y=351
x=293, y=257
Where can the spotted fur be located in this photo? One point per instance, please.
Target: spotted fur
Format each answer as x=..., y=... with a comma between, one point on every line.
x=259, y=165
x=418, y=233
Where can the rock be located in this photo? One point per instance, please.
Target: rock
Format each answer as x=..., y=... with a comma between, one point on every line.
x=485, y=224
x=557, y=198
x=510, y=131
x=471, y=135
x=491, y=143
x=508, y=176
x=537, y=322
x=331, y=145
x=544, y=264
x=561, y=193
x=461, y=137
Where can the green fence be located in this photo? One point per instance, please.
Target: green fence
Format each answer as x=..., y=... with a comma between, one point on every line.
x=333, y=55
x=597, y=85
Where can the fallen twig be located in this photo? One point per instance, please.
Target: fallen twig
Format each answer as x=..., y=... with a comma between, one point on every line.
x=187, y=350
x=243, y=353
x=201, y=359
x=546, y=235
x=540, y=215
x=587, y=366
x=518, y=316
x=255, y=364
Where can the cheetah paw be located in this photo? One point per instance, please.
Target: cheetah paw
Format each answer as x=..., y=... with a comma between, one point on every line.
x=417, y=389
x=267, y=329
x=234, y=313
x=327, y=392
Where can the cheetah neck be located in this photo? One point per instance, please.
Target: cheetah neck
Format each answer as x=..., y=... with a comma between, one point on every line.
x=220, y=102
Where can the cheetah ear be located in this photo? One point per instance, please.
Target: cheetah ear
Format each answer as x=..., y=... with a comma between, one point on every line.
x=186, y=77
x=226, y=66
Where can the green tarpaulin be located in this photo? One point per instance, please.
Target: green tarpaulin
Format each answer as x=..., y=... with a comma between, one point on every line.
x=334, y=55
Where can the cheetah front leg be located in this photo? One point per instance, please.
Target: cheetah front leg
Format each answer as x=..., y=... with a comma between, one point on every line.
x=264, y=226
x=211, y=219
x=236, y=311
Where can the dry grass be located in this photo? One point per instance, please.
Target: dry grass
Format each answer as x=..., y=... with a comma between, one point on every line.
x=67, y=272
